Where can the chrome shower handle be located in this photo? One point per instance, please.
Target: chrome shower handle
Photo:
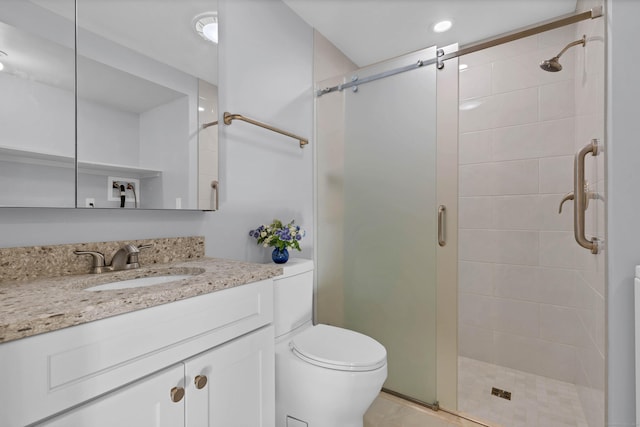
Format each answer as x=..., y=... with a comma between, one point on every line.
x=580, y=197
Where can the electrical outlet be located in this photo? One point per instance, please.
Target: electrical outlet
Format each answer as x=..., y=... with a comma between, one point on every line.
x=113, y=189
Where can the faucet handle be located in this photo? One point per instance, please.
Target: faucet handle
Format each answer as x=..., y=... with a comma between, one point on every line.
x=132, y=259
x=98, y=264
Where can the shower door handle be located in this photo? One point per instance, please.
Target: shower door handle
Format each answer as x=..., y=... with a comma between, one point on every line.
x=580, y=197
x=442, y=212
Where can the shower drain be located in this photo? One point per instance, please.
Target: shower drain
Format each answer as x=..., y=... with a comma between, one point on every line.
x=500, y=393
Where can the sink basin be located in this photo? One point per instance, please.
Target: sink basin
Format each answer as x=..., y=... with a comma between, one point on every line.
x=139, y=282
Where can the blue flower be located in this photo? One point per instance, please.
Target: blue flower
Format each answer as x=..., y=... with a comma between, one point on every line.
x=278, y=235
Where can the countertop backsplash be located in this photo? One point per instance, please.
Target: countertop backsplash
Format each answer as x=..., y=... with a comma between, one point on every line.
x=23, y=264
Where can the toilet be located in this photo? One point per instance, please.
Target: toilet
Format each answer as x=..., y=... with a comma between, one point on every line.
x=325, y=376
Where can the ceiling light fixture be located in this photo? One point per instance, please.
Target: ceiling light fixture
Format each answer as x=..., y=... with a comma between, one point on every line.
x=442, y=26
x=206, y=25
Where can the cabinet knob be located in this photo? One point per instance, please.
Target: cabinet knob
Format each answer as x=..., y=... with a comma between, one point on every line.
x=177, y=393
x=201, y=381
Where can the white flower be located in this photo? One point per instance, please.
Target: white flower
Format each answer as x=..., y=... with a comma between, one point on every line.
x=265, y=245
x=263, y=234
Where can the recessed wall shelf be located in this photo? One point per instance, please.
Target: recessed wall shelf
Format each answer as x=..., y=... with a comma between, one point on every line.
x=57, y=160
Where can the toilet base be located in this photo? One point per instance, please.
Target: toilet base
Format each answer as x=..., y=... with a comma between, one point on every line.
x=313, y=396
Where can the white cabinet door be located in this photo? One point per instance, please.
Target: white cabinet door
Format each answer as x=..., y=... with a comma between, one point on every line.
x=145, y=403
x=239, y=390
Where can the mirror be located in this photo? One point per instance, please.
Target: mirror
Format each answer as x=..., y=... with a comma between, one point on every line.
x=37, y=111
x=146, y=84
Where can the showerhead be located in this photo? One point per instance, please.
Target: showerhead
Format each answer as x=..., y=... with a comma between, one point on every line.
x=553, y=65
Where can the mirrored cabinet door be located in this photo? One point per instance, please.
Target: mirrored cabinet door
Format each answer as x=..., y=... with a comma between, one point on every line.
x=109, y=104
x=147, y=82
x=37, y=105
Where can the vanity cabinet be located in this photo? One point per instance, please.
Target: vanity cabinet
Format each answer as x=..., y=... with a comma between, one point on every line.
x=145, y=403
x=121, y=370
x=237, y=384
x=230, y=385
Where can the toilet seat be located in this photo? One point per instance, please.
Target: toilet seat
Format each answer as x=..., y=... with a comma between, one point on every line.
x=337, y=348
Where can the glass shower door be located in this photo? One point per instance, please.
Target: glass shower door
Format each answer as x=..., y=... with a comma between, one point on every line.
x=390, y=224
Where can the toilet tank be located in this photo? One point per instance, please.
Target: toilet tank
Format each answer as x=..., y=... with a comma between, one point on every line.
x=293, y=295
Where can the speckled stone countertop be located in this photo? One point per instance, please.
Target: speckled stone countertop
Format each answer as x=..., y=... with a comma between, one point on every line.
x=48, y=304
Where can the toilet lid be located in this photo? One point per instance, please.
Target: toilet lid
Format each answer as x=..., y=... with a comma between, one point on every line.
x=337, y=348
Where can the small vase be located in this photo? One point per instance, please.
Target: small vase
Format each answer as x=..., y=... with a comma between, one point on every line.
x=280, y=256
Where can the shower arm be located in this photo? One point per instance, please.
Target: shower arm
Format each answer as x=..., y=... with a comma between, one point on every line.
x=582, y=41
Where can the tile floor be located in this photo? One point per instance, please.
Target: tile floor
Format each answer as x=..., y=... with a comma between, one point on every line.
x=391, y=411
x=535, y=402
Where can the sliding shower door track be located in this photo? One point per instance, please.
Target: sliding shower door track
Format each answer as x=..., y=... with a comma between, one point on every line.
x=433, y=406
x=531, y=30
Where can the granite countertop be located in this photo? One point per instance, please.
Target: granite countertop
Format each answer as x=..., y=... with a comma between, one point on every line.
x=45, y=305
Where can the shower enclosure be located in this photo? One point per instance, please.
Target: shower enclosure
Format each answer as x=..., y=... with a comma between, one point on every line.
x=528, y=302
x=532, y=299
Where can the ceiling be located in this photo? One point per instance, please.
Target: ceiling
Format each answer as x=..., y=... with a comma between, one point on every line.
x=369, y=31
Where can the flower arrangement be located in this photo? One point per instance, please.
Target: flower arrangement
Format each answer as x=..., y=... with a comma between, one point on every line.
x=278, y=235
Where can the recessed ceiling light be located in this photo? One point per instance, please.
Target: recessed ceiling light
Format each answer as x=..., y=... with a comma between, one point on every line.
x=206, y=25
x=442, y=26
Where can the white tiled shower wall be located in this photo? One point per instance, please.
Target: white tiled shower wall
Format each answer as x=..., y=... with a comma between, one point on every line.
x=530, y=298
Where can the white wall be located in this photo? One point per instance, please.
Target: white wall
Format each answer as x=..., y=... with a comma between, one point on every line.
x=266, y=66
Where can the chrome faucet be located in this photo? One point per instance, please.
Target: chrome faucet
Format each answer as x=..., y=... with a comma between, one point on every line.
x=125, y=258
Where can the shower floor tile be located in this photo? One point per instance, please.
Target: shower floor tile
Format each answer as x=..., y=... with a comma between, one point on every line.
x=535, y=401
